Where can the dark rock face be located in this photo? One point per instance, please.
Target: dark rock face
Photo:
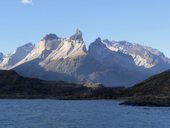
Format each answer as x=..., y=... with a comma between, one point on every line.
x=120, y=69
x=50, y=37
x=154, y=91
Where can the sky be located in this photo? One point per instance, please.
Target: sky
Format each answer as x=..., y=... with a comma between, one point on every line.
x=146, y=22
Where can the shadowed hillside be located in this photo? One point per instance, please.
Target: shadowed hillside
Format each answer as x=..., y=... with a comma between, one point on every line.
x=13, y=85
x=154, y=91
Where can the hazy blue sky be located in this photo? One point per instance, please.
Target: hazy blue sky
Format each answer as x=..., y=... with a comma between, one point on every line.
x=141, y=21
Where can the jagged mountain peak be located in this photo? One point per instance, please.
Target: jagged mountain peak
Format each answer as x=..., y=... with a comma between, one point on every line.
x=98, y=40
x=77, y=36
x=25, y=47
x=52, y=48
x=49, y=42
x=50, y=36
x=98, y=43
x=99, y=49
x=78, y=31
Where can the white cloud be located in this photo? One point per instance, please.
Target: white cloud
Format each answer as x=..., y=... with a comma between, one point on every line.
x=26, y=1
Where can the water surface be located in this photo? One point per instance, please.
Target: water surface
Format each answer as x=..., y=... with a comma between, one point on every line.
x=80, y=114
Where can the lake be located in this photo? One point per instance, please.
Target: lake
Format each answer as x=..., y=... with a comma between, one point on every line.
x=80, y=114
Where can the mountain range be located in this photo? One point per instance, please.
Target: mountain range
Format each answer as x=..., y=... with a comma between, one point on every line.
x=111, y=63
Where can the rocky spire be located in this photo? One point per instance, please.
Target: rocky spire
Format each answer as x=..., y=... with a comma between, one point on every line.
x=77, y=36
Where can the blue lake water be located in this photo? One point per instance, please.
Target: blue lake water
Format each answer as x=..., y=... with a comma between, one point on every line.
x=80, y=114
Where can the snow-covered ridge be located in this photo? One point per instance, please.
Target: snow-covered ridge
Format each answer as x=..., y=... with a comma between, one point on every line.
x=13, y=58
x=142, y=55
